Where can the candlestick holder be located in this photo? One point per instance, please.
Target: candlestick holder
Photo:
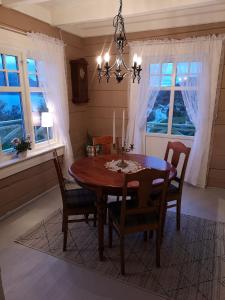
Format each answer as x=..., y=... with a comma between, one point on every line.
x=122, y=164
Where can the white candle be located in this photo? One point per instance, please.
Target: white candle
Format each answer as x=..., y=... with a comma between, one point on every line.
x=114, y=127
x=123, y=129
x=133, y=134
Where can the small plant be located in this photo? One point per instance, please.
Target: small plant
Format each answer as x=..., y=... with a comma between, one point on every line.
x=21, y=145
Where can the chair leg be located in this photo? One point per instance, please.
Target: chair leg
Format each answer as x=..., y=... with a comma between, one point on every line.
x=158, y=244
x=122, y=262
x=65, y=221
x=86, y=218
x=163, y=221
x=105, y=209
x=95, y=219
x=151, y=232
x=110, y=228
x=178, y=214
x=63, y=225
x=145, y=236
x=117, y=198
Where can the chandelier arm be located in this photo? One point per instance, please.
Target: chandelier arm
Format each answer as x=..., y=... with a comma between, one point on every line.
x=125, y=66
x=112, y=66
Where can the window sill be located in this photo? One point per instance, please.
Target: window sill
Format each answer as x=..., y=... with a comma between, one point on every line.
x=9, y=164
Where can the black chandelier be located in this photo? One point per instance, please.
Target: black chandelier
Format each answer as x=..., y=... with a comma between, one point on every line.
x=119, y=69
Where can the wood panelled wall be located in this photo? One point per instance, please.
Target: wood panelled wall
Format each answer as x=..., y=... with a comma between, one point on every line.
x=22, y=187
x=104, y=98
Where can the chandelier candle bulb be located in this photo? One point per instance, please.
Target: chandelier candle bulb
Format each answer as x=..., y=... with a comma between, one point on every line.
x=107, y=57
x=135, y=59
x=114, y=127
x=99, y=61
x=139, y=61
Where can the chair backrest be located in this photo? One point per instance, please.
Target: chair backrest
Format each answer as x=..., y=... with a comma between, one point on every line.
x=143, y=206
x=106, y=143
x=178, y=148
x=59, y=175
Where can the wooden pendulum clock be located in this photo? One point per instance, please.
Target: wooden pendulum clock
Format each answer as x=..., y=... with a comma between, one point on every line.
x=79, y=79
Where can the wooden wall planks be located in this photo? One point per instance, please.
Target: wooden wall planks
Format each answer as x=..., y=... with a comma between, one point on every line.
x=22, y=187
x=104, y=98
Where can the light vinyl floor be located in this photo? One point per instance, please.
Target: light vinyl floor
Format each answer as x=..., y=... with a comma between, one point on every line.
x=32, y=275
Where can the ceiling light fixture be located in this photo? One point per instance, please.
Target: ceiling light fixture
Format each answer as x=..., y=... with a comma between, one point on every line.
x=119, y=69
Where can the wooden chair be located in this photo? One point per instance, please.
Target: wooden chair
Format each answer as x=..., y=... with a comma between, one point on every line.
x=75, y=202
x=175, y=191
x=141, y=214
x=104, y=141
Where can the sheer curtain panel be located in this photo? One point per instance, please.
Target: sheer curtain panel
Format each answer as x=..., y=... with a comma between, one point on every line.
x=142, y=96
x=50, y=56
x=199, y=101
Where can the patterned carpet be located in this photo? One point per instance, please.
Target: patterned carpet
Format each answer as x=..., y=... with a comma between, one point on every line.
x=192, y=260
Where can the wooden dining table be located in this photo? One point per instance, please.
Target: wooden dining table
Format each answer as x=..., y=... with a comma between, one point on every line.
x=91, y=173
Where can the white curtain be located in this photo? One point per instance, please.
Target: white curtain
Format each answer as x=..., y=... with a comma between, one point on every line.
x=142, y=96
x=199, y=103
x=50, y=56
x=200, y=106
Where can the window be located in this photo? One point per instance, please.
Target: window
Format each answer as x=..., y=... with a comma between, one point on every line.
x=38, y=104
x=169, y=115
x=20, y=108
x=11, y=105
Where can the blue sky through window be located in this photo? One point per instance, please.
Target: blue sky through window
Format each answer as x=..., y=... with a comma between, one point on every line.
x=11, y=118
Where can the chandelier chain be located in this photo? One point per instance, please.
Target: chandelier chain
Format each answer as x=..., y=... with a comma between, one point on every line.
x=119, y=35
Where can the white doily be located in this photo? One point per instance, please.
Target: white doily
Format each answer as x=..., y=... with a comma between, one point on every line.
x=132, y=166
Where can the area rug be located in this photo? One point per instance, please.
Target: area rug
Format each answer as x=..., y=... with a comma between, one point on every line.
x=192, y=260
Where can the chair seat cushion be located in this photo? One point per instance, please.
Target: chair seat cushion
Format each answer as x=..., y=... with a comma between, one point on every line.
x=171, y=190
x=80, y=198
x=131, y=220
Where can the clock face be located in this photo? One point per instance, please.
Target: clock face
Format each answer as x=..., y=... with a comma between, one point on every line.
x=82, y=73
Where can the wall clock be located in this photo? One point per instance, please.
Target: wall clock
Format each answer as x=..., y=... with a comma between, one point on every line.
x=79, y=80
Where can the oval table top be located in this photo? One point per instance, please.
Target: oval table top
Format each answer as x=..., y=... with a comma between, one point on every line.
x=91, y=171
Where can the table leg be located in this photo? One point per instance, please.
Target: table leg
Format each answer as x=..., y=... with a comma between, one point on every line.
x=100, y=209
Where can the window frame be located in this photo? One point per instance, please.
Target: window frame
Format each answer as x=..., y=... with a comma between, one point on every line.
x=172, y=90
x=30, y=89
x=24, y=89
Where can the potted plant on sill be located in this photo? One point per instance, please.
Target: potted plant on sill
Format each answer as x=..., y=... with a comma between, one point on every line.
x=21, y=146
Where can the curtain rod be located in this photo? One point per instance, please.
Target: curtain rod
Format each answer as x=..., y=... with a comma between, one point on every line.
x=6, y=27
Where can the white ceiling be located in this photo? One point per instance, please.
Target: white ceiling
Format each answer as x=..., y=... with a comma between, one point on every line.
x=94, y=17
